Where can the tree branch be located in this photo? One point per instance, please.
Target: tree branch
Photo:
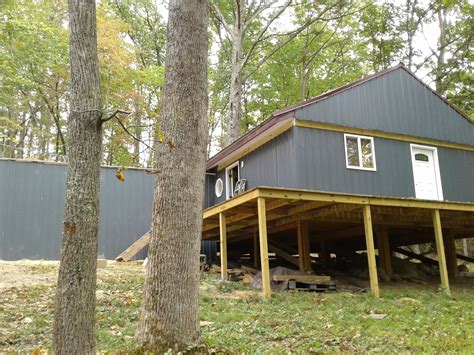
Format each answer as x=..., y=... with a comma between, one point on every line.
x=131, y=134
x=218, y=15
x=257, y=13
x=292, y=35
x=115, y=113
x=263, y=31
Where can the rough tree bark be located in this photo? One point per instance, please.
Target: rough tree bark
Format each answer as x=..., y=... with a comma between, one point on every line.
x=170, y=308
x=74, y=318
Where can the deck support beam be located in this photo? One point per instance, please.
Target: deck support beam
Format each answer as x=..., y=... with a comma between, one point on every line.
x=443, y=272
x=262, y=230
x=324, y=255
x=385, y=252
x=451, y=258
x=304, y=257
x=223, y=246
x=369, y=240
x=256, y=251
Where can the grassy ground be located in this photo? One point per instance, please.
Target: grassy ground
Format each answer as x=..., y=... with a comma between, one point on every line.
x=418, y=319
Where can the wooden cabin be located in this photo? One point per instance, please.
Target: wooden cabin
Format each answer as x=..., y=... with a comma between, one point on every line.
x=380, y=163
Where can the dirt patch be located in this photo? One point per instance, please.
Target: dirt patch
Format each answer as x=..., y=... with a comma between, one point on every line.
x=26, y=273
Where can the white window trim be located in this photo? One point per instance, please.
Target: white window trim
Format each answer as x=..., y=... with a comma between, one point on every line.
x=360, y=152
x=228, y=190
x=439, y=185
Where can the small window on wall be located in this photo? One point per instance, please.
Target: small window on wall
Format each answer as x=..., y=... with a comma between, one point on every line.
x=360, y=152
x=219, y=188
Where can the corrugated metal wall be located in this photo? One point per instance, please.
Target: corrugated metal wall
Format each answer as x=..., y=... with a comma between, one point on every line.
x=395, y=102
x=209, y=190
x=270, y=165
x=314, y=159
x=457, y=174
x=32, y=206
x=321, y=165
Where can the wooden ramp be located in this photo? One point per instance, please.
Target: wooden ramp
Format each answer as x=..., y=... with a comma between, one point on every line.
x=133, y=249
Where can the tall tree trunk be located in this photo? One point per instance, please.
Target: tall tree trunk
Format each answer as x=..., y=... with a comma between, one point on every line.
x=235, y=94
x=304, y=69
x=138, y=134
x=410, y=12
x=74, y=319
x=20, y=135
x=440, y=65
x=170, y=307
x=31, y=133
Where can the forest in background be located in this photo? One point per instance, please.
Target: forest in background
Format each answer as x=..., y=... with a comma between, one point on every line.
x=264, y=55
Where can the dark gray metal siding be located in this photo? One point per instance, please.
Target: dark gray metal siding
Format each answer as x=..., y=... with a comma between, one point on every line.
x=125, y=210
x=457, y=174
x=395, y=102
x=272, y=164
x=321, y=165
x=32, y=206
x=209, y=189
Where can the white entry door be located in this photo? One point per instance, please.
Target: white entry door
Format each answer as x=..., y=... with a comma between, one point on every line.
x=426, y=173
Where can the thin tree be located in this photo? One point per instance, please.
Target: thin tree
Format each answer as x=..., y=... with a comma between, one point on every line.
x=238, y=19
x=243, y=15
x=74, y=318
x=169, y=314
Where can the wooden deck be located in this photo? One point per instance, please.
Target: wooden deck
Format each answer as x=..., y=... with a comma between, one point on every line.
x=334, y=220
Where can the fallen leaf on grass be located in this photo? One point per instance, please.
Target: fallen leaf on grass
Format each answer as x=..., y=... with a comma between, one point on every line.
x=319, y=300
x=328, y=326
x=204, y=323
x=408, y=299
x=348, y=294
x=377, y=316
x=115, y=330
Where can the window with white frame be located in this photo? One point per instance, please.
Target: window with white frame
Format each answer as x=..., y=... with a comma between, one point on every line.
x=360, y=152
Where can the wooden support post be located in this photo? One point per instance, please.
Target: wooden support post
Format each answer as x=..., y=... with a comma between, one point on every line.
x=440, y=249
x=299, y=236
x=451, y=259
x=379, y=245
x=262, y=230
x=223, y=246
x=304, y=257
x=385, y=252
x=256, y=252
x=369, y=240
x=324, y=255
x=465, y=250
